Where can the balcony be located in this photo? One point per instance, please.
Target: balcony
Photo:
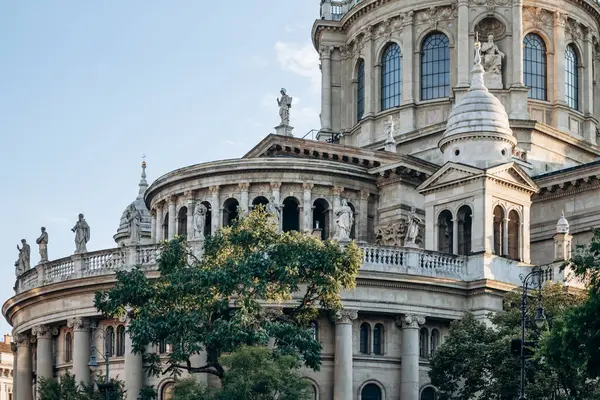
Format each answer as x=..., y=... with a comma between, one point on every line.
x=332, y=10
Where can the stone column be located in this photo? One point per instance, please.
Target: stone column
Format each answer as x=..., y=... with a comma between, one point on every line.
x=14, y=347
x=215, y=208
x=24, y=369
x=409, y=375
x=134, y=370
x=325, y=53
x=81, y=348
x=44, y=334
x=158, y=235
x=504, y=237
x=244, y=187
x=307, y=206
x=589, y=127
x=517, y=45
x=455, y=235
x=342, y=372
x=189, y=196
x=367, y=55
x=525, y=238
x=172, y=216
x=561, y=116
x=362, y=228
x=407, y=59
x=333, y=229
x=463, y=50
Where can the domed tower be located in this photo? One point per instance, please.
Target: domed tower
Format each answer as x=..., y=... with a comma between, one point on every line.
x=135, y=226
x=411, y=60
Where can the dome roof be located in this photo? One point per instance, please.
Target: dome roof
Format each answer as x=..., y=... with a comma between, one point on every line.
x=479, y=114
x=123, y=232
x=562, y=226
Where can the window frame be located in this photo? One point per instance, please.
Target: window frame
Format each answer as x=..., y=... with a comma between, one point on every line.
x=537, y=57
x=572, y=77
x=391, y=77
x=360, y=90
x=430, y=57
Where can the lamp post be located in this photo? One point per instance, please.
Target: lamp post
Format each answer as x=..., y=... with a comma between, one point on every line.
x=540, y=318
x=94, y=362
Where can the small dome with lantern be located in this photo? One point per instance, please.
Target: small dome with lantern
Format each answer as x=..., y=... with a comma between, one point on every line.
x=562, y=226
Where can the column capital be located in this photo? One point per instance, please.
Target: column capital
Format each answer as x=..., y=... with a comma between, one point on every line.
x=308, y=186
x=13, y=348
x=80, y=324
x=189, y=195
x=171, y=200
x=407, y=17
x=560, y=19
x=337, y=190
x=275, y=185
x=345, y=316
x=325, y=52
x=244, y=186
x=24, y=339
x=364, y=195
x=44, y=331
x=153, y=212
x=410, y=321
x=214, y=189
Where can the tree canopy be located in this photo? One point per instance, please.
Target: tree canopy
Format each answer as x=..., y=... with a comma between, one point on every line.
x=67, y=388
x=252, y=283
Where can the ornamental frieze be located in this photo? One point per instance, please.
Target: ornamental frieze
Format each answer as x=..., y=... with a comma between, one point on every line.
x=538, y=17
x=490, y=4
x=433, y=15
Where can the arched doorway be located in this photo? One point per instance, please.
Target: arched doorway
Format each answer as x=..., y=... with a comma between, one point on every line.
x=291, y=214
x=230, y=211
x=167, y=392
x=428, y=394
x=498, y=230
x=445, y=232
x=208, y=219
x=465, y=221
x=182, y=221
x=514, y=225
x=370, y=392
x=321, y=217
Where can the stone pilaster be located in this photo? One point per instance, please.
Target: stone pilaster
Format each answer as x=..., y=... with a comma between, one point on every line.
x=24, y=369
x=244, y=201
x=463, y=50
x=367, y=55
x=517, y=45
x=43, y=334
x=342, y=373
x=153, y=229
x=525, y=236
x=81, y=348
x=325, y=53
x=189, y=197
x=589, y=128
x=160, y=220
x=504, y=236
x=13, y=348
x=216, y=208
x=409, y=375
x=408, y=79
x=172, y=217
x=560, y=114
x=455, y=235
x=307, y=206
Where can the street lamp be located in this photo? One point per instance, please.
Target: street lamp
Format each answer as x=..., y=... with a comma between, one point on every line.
x=93, y=362
x=540, y=318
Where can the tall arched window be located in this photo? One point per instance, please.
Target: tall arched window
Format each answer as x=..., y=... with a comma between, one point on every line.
x=291, y=215
x=370, y=392
x=434, y=342
x=182, y=221
x=571, y=78
x=360, y=89
x=428, y=394
x=120, y=341
x=109, y=341
x=378, y=339
x=534, y=66
x=260, y=201
x=68, y=347
x=353, y=228
x=423, y=342
x=464, y=230
x=167, y=392
x=230, y=211
x=162, y=346
x=165, y=226
x=391, y=77
x=365, y=336
x=514, y=225
x=435, y=66
x=321, y=217
x=498, y=230
x=445, y=232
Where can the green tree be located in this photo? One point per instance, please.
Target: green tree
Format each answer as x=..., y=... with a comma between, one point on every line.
x=218, y=303
x=67, y=388
x=475, y=360
x=253, y=373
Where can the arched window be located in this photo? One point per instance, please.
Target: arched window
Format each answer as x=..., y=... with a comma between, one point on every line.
x=165, y=226
x=391, y=77
x=120, y=341
x=315, y=330
x=571, y=78
x=423, y=342
x=291, y=215
x=428, y=394
x=182, y=221
x=321, y=217
x=434, y=342
x=260, y=201
x=365, y=336
x=230, y=211
x=360, y=90
x=514, y=225
x=445, y=232
x=208, y=219
x=162, y=346
x=167, y=392
x=534, y=66
x=498, y=230
x=370, y=392
x=435, y=67
x=378, y=339
x=315, y=392
x=68, y=347
x=464, y=230
x=109, y=341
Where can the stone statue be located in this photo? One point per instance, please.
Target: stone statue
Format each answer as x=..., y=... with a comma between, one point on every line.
x=82, y=235
x=23, y=262
x=275, y=210
x=344, y=220
x=134, y=217
x=285, y=103
x=199, y=220
x=492, y=56
x=42, y=241
x=412, y=231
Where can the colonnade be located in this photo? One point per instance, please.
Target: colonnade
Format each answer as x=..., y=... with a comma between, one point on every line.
x=41, y=335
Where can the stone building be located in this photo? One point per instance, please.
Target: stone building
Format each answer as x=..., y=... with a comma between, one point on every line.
x=7, y=350
x=455, y=173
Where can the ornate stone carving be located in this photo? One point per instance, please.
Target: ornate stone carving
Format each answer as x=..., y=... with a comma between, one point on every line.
x=171, y=200
x=345, y=316
x=337, y=190
x=433, y=15
x=82, y=235
x=391, y=234
x=412, y=321
x=560, y=19
x=189, y=195
x=24, y=339
x=244, y=186
x=275, y=185
x=214, y=189
x=13, y=347
x=492, y=57
x=134, y=218
x=575, y=29
x=490, y=5
x=199, y=220
x=407, y=18
x=325, y=51
x=364, y=195
x=538, y=16
x=344, y=219
x=275, y=210
x=308, y=186
x=80, y=324
x=44, y=331
x=491, y=26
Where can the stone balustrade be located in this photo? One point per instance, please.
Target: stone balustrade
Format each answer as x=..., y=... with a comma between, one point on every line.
x=334, y=10
x=105, y=262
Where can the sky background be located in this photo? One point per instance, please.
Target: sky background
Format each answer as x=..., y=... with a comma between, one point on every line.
x=87, y=88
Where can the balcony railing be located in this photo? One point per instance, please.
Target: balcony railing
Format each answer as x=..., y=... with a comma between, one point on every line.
x=334, y=10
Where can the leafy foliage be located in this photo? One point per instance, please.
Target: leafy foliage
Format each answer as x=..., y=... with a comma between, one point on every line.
x=67, y=388
x=475, y=360
x=217, y=303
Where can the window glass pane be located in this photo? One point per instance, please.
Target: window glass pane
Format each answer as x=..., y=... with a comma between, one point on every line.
x=571, y=78
x=435, y=67
x=391, y=77
x=360, y=92
x=534, y=66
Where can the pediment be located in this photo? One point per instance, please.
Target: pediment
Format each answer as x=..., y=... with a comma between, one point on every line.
x=450, y=174
x=511, y=173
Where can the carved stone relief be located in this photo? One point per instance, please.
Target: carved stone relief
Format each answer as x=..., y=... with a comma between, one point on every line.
x=490, y=25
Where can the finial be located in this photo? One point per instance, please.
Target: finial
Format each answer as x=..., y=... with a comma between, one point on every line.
x=477, y=72
x=562, y=226
x=143, y=183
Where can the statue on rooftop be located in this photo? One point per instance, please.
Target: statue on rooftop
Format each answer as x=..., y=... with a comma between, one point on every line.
x=42, y=242
x=82, y=235
x=134, y=217
x=344, y=220
x=412, y=231
x=23, y=262
x=199, y=220
x=284, y=103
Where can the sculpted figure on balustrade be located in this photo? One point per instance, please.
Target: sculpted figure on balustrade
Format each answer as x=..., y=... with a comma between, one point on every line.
x=134, y=218
x=23, y=262
x=82, y=235
x=42, y=242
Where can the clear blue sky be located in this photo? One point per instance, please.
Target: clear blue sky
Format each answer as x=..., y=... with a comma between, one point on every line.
x=87, y=87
